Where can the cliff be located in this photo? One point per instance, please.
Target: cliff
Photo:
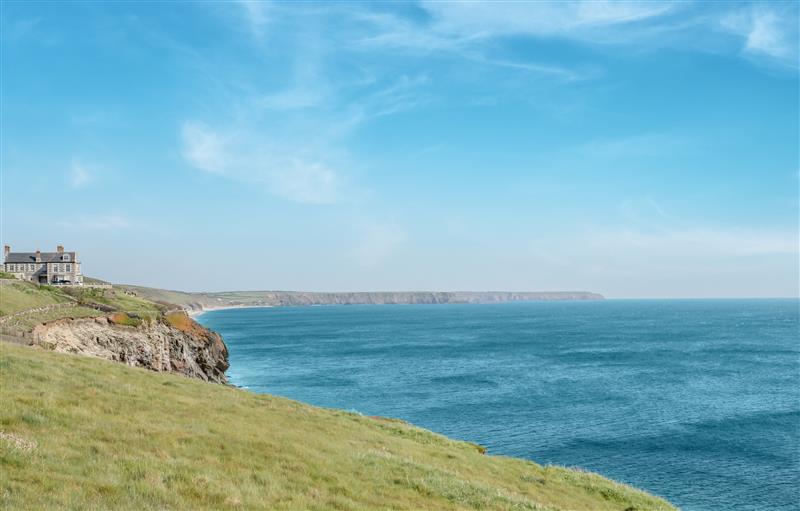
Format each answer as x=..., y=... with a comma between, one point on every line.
x=111, y=323
x=169, y=345
x=196, y=301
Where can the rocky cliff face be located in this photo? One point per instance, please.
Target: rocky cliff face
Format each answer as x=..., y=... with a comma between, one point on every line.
x=193, y=351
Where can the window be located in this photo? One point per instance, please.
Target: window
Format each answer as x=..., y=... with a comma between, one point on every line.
x=69, y=268
x=65, y=257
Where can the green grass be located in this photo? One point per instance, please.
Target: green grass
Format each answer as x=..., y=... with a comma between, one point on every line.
x=167, y=296
x=82, y=433
x=27, y=322
x=92, y=280
x=117, y=299
x=20, y=295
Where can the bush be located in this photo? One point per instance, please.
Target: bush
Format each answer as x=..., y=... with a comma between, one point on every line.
x=122, y=318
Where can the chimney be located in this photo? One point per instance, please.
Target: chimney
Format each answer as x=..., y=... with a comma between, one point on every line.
x=38, y=257
x=6, y=251
x=60, y=249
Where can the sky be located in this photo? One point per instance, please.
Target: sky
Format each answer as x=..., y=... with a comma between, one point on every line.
x=639, y=150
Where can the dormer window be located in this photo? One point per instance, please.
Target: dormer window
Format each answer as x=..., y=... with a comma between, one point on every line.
x=65, y=257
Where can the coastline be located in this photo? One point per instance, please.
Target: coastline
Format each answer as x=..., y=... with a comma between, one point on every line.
x=194, y=313
x=230, y=450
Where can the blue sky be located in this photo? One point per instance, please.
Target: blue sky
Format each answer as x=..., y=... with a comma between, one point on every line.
x=632, y=149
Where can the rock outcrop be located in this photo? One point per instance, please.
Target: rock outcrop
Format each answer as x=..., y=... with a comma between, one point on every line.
x=184, y=347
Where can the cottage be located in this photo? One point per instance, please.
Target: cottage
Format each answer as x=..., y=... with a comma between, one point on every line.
x=54, y=268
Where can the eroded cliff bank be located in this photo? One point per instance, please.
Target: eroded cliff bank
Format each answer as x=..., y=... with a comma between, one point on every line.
x=174, y=344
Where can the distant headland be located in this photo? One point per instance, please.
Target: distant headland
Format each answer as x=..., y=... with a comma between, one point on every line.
x=202, y=301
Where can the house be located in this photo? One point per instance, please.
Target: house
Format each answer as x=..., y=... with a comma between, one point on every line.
x=53, y=268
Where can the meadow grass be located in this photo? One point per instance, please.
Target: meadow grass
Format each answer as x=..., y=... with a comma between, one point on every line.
x=116, y=299
x=18, y=296
x=83, y=433
x=28, y=321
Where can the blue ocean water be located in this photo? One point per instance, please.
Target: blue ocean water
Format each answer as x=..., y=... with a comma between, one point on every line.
x=694, y=400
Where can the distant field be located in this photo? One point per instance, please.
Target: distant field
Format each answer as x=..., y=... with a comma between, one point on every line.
x=83, y=433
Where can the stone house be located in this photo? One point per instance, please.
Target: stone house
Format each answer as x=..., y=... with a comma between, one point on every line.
x=53, y=268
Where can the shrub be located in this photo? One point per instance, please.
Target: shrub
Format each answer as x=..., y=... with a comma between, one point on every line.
x=122, y=318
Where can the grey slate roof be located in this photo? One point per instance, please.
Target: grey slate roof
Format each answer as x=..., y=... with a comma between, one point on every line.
x=30, y=257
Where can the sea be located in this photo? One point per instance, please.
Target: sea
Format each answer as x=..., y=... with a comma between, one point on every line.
x=697, y=401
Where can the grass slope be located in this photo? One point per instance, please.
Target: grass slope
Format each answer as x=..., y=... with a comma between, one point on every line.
x=115, y=298
x=163, y=295
x=17, y=296
x=83, y=433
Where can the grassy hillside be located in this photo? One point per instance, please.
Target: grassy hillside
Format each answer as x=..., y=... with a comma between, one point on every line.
x=115, y=298
x=18, y=296
x=83, y=433
x=177, y=297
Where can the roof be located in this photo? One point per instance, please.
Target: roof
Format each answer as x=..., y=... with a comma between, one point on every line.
x=30, y=257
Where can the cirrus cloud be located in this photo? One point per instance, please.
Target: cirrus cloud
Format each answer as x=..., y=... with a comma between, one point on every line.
x=285, y=171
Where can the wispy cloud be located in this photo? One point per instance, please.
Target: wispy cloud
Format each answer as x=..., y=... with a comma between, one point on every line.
x=392, y=32
x=291, y=137
x=470, y=29
x=699, y=261
x=566, y=19
x=680, y=245
x=769, y=30
x=79, y=175
x=644, y=144
x=204, y=148
x=256, y=15
x=285, y=170
x=99, y=222
x=645, y=211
